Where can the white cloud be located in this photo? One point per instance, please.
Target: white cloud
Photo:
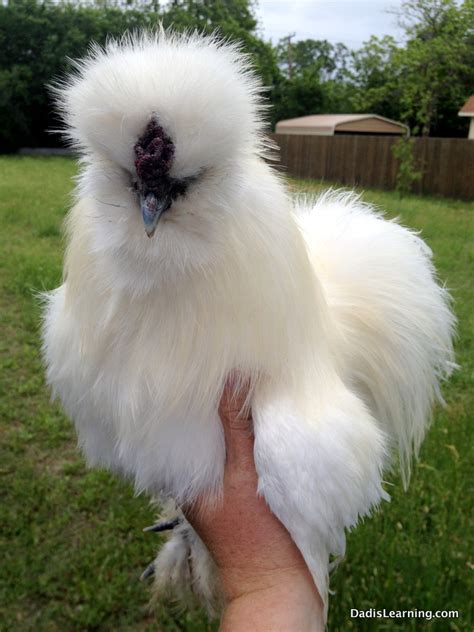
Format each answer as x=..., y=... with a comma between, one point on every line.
x=351, y=22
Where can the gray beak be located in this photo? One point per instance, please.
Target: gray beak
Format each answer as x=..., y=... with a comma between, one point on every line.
x=152, y=208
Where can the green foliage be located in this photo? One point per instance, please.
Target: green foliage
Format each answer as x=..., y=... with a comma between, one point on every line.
x=301, y=96
x=325, y=60
x=312, y=82
x=72, y=545
x=407, y=173
x=38, y=38
x=423, y=82
x=375, y=78
x=426, y=81
x=437, y=63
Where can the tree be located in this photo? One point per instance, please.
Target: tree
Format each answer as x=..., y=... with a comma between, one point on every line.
x=322, y=58
x=425, y=81
x=37, y=38
x=313, y=79
x=301, y=96
x=376, y=78
x=436, y=67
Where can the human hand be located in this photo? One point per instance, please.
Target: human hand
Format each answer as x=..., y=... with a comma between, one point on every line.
x=266, y=583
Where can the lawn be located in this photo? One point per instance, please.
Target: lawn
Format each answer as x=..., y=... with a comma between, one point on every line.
x=72, y=541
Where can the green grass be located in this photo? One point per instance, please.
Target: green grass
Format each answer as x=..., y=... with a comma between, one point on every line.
x=72, y=545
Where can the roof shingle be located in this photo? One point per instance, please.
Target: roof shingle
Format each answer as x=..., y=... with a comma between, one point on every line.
x=468, y=108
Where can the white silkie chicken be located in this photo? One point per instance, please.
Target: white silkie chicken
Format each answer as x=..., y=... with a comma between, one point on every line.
x=333, y=313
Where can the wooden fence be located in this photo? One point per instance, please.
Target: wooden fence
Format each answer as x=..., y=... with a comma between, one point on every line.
x=447, y=163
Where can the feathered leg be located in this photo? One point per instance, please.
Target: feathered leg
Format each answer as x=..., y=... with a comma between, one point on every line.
x=163, y=525
x=185, y=570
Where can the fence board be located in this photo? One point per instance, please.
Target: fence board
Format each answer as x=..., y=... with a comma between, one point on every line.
x=447, y=163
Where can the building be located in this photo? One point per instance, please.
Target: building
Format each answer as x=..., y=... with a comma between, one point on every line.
x=468, y=110
x=332, y=124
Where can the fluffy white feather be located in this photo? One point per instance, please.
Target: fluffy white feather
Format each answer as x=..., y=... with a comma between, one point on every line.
x=333, y=312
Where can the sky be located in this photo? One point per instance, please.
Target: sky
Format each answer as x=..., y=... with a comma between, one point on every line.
x=351, y=22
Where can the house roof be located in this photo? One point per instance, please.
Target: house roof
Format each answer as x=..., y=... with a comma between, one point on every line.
x=468, y=108
x=328, y=124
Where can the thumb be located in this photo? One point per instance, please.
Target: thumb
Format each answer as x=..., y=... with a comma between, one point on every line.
x=236, y=419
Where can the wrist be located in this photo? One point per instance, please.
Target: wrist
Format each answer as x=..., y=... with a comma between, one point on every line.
x=279, y=600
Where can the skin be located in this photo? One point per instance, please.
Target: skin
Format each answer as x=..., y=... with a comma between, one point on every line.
x=267, y=585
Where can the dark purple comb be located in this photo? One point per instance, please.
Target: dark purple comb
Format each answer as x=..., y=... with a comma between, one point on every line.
x=154, y=152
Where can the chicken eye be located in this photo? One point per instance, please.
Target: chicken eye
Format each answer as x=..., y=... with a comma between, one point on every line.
x=179, y=188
